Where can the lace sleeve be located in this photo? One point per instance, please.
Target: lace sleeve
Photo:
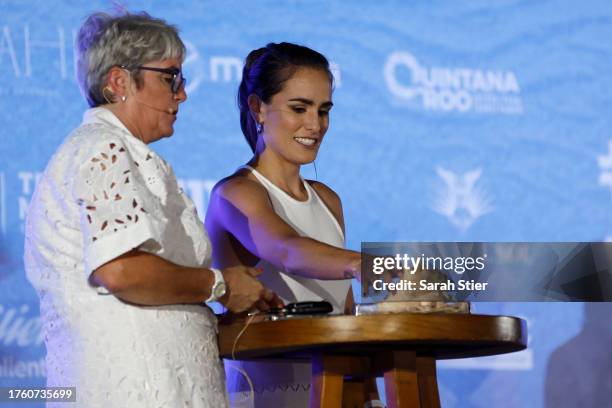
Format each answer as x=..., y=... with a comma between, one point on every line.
x=117, y=210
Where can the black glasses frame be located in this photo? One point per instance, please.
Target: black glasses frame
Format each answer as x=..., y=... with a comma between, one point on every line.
x=178, y=80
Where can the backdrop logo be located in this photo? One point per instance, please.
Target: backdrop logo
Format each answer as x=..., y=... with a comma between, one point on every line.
x=225, y=69
x=193, y=66
x=29, y=180
x=20, y=334
x=452, y=88
x=20, y=326
x=460, y=199
x=50, y=46
x=39, y=56
x=35, y=53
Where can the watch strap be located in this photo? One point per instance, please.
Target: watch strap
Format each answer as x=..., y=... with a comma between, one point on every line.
x=219, y=280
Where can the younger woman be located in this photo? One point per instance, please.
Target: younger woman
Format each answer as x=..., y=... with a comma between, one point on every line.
x=267, y=215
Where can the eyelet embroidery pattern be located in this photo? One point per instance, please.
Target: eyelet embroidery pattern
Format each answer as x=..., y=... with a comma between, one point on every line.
x=120, y=187
x=110, y=181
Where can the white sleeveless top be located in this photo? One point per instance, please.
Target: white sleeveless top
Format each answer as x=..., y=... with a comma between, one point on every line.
x=312, y=219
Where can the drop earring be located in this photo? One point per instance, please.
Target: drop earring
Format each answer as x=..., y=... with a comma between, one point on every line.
x=259, y=127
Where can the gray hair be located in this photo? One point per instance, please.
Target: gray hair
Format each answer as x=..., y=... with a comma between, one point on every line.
x=105, y=41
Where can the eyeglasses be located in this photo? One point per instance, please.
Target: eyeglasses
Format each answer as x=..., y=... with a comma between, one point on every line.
x=178, y=80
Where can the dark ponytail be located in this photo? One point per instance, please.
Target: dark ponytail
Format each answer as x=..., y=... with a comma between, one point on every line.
x=265, y=71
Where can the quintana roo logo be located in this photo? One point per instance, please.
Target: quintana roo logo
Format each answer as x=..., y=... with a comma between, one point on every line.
x=605, y=177
x=460, y=199
x=451, y=89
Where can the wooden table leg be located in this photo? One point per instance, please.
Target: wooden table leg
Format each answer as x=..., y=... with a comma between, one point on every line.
x=359, y=390
x=410, y=380
x=401, y=379
x=326, y=382
x=328, y=389
x=428, y=382
x=353, y=394
x=370, y=388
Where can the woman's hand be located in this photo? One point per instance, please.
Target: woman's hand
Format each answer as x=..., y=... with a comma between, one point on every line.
x=353, y=270
x=245, y=292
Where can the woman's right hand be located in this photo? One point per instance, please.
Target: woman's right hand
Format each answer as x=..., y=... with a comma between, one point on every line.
x=245, y=292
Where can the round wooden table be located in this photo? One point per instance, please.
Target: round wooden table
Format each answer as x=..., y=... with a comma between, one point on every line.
x=402, y=347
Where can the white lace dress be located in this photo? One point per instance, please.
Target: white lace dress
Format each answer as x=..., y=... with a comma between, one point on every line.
x=104, y=193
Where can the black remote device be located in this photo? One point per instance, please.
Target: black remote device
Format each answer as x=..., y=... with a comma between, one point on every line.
x=304, y=308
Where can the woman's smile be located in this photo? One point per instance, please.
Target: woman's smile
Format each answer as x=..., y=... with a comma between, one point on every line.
x=306, y=141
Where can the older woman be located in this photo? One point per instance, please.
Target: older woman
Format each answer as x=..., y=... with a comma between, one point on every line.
x=115, y=249
x=267, y=215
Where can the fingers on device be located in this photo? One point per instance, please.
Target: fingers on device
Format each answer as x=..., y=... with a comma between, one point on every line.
x=303, y=309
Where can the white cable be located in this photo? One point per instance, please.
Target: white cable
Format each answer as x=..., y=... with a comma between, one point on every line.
x=239, y=369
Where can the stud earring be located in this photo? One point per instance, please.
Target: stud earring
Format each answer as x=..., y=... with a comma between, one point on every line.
x=123, y=98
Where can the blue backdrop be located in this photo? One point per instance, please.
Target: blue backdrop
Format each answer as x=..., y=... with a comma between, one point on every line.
x=473, y=121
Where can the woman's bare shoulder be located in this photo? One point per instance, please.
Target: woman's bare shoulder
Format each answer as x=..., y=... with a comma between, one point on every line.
x=329, y=196
x=241, y=185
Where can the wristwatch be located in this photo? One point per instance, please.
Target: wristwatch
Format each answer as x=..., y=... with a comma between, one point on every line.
x=219, y=288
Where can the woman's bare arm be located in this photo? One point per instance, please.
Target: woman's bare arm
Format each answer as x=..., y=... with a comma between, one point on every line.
x=241, y=207
x=146, y=279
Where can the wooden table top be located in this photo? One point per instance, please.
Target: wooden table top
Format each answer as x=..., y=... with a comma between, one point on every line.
x=442, y=336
